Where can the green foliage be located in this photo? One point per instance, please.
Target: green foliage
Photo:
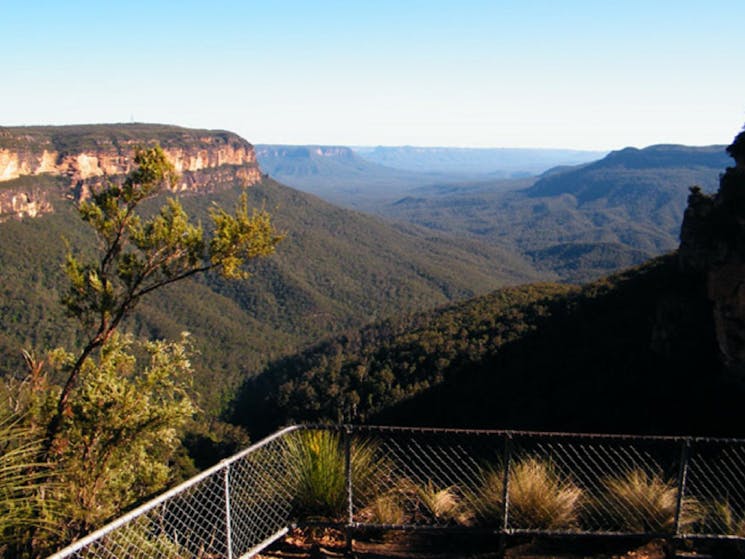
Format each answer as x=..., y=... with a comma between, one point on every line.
x=579, y=222
x=114, y=137
x=317, y=478
x=362, y=372
x=138, y=540
x=24, y=506
x=124, y=427
x=116, y=424
x=115, y=446
x=140, y=255
x=619, y=355
x=336, y=270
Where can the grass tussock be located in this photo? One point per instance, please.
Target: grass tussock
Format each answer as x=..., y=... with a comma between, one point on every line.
x=387, y=510
x=442, y=504
x=27, y=499
x=317, y=477
x=723, y=518
x=539, y=497
x=641, y=502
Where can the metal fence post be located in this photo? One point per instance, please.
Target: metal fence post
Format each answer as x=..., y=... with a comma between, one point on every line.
x=348, y=479
x=682, y=475
x=228, y=522
x=506, y=457
x=506, y=481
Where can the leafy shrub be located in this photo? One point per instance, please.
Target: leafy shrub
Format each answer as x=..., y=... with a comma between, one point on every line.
x=138, y=540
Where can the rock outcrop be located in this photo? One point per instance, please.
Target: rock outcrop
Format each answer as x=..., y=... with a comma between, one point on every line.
x=713, y=247
x=29, y=202
x=87, y=156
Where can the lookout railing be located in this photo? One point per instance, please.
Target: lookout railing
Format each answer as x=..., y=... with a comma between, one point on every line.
x=502, y=482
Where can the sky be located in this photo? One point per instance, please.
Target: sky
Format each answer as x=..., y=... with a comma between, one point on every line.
x=598, y=75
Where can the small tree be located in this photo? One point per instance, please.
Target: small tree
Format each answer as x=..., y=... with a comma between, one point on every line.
x=106, y=435
x=140, y=255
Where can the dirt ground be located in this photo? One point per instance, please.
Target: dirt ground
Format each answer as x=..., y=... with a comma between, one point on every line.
x=331, y=544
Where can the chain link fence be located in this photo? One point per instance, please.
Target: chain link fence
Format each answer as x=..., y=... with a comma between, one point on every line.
x=502, y=482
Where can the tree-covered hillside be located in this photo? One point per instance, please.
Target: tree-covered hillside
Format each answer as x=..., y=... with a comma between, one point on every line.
x=634, y=352
x=360, y=373
x=336, y=269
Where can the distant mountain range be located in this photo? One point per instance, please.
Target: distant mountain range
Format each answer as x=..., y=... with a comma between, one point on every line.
x=578, y=222
x=341, y=176
x=493, y=162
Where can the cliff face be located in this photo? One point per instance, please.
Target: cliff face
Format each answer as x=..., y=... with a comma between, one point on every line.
x=87, y=156
x=30, y=202
x=713, y=247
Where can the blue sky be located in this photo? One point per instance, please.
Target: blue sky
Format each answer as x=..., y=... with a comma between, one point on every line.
x=600, y=74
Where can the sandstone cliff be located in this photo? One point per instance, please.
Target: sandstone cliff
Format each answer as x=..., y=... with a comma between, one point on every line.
x=713, y=247
x=86, y=156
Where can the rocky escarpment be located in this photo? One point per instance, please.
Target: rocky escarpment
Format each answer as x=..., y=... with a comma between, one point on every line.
x=84, y=157
x=713, y=247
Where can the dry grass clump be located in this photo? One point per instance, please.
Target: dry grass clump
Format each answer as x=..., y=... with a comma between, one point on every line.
x=539, y=497
x=722, y=518
x=387, y=510
x=442, y=504
x=641, y=502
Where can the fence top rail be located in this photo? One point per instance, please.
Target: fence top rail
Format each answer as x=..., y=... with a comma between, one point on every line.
x=352, y=428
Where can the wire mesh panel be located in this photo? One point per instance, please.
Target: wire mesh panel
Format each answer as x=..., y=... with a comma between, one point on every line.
x=228, y=511
x=715, y=484
x=420, y=477
x=593, y=484
x=260, y=499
